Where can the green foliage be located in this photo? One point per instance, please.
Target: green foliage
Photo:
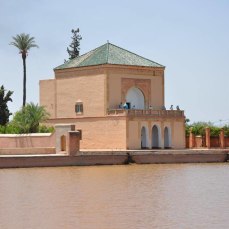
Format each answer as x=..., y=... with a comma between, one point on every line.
x=215, y=131
x=74, y=47
x=9, y=129
x=198, y=128
x=226, y=130
x=2, y=129
x=4, y=111
x=45, y=129
x=28, y=118
x=24, y=43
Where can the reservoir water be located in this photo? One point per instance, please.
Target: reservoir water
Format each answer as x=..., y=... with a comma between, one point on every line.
x=113, y=197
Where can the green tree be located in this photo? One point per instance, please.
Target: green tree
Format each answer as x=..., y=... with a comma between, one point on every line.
x=198, y=128
x=24, y=43
x=28, y=119
x=4, y=111
x=226, y=130
x=74, y=47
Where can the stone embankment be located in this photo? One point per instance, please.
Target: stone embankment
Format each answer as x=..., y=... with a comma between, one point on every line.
x=86, y=158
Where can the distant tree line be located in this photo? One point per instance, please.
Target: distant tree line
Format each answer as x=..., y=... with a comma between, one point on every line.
x=198, y=128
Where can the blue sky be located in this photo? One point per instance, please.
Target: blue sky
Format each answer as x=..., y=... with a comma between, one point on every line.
x=189, y=37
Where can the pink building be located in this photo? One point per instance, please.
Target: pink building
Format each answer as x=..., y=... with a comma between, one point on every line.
x=88, y=91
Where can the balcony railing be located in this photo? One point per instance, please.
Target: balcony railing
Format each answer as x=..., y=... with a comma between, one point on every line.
x=146, y=113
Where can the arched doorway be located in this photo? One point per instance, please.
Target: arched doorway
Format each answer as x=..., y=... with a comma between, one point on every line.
x=167, y=138
x=135, y=99
x=155, y=137
x=143, y=138
x=63, y=143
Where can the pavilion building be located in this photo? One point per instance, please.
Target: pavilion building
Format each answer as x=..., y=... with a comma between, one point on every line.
x=88, y=91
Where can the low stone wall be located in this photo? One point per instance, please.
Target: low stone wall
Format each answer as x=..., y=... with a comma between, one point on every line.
x=180, y=158
x=39, y=143
x=115, y=158
x=27, y=151
x=227, y=142
x=57, y=160
x=200, y=142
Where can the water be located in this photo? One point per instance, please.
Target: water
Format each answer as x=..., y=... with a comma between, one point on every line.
x=104, y=197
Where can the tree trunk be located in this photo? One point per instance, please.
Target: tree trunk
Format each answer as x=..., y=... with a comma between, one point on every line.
x=24, y=80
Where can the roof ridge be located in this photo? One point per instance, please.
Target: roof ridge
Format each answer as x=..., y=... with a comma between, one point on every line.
x=137, y=55
x=108, y=52
x=92, y=51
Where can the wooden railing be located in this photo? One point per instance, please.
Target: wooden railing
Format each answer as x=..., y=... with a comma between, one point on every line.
x=148, y=112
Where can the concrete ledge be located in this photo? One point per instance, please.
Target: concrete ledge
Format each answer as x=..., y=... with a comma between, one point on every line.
x=27, y=151
x=25, y=135
x=179, y=158
x=57, y=160
x=110, y=158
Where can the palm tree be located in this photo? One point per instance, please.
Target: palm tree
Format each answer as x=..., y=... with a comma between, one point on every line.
x=28, y=118
x=24, y=43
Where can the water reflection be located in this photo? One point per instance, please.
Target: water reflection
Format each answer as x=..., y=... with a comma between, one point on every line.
x=131, y=196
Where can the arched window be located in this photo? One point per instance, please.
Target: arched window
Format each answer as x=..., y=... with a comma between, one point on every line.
x=155, y=137
x=135, y=99
x=167, y=138
x=144, y=140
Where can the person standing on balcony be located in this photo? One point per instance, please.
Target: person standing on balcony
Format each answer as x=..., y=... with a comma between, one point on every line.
x=125, y=105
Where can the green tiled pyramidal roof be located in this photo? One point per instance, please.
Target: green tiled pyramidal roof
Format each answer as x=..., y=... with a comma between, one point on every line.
x=108, y=54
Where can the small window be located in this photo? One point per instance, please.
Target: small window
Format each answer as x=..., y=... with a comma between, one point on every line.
x=79, y=108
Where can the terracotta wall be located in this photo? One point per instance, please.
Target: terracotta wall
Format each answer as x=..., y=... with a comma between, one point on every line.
x=27, y=140
x=227, y=141
x=200, y=142
x=89, y=90
x=178, y=133
x=59, y=96
x=102, y=133
x=214, y=141
x=47, y=96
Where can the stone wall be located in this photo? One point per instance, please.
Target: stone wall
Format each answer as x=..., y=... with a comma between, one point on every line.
x=27, y=140
x=98, y=133
x=42, y=143
x=200, y=142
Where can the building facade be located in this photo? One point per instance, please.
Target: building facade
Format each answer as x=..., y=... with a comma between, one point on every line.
x=116, y=98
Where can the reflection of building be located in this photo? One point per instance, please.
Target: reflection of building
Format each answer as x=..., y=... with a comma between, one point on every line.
x=88, y=90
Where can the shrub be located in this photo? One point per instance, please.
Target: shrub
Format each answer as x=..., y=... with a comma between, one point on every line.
x=2, y=129
x=226, y=130
x=28, y=118
x=45, y=129
x=198, y=128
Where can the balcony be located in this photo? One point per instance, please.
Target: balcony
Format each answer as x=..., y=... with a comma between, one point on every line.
x=146, y=113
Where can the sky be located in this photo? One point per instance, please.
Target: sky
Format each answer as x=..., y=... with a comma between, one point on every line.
x=189, y=37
